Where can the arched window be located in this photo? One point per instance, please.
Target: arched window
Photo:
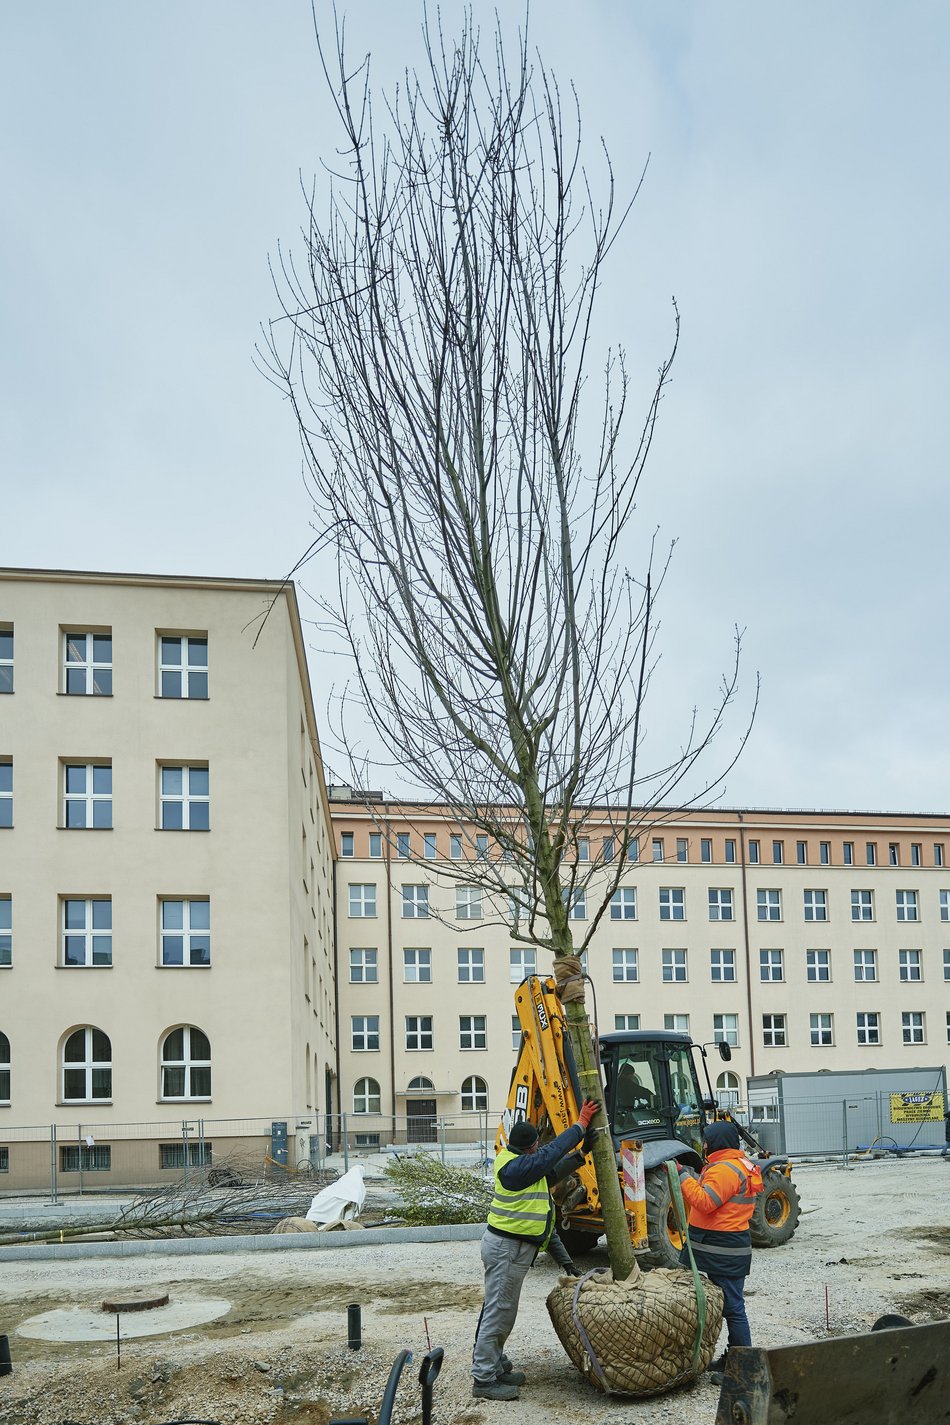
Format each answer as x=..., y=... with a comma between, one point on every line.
x=4, y=1069
x=421, y=1085
x=87, y=1066
x=366, y=1096
x=186, y=1063
x=727, y=1090
x=474, y=1095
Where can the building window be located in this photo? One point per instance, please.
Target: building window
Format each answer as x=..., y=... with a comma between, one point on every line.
x=417, y=967
x=865, y=966
x=6, y=792
x=625, y=966
x=722, y=966
x=87, y=932
x=186, y=1063
x=364, y=967
x=468, y=902
x=4, y=1069
x=87, y=664
x=816, y=905
x=674, y=966
x=177, y=1155
x=909, y=967
x=862, y=905
x=6, y=931
x=366, y=1096
x=362, y=901
x=633, y=849
x=607, y=852
x=6, y=659
x=730, y=850
x=347, y=843
x=705, y=850
x=85, y=1158
x=726, y=1029
x=87, y=795
x=473, y=1033
x=915, y=854
x=778, y=853
x=773, y=1031
x=415, y=902
x=727, y=1091
x=682, y=849
x=455, y=846
x=771, y=966
x=824, y=852
x=658, y=848
x=375, y=845
x=870, y=852
x=768, y=904
x=906, y=905
x=938, y=853
x=945, y=905
x=515, y=1033
x=672, y=903
x=583, y=848
x=471, y=965
x=801, y=852
x=87, y=1067
x=720, y=903
x=474, y=1097
x=847, y=853
x=186, y=932
x=403, y=846
x=820, y=1028
x=912, y=1028
x=893, y=854
x=364, y=1033
x=676, y=1023
x=753, y=853
x=576, y=902
x=626, y=1023
x=623, y=904
x=817, y=966
x=869, y=1028
x=184, y=795
x=418, y=1031
x=182, y=666
x=430, y=846
x=522, y=962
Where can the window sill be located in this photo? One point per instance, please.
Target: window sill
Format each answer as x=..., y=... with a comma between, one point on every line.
x=63, y=694
x=85, y=1103
x=85, y=828
x=183, y=967
x=83, y=967
x=187, y=830
x=167, y=698
x=159, y=1101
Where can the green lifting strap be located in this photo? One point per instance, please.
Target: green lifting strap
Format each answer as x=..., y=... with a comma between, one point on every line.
x=679, y=1207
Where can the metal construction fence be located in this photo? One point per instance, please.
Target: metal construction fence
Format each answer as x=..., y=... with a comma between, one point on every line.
x=853, y=1125
x=99, y=1157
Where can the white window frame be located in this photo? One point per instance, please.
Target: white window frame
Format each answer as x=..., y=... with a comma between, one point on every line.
x=768, y=904
x=90, y=941
x=376, y=846
x=96, y=803
x=623, y=903
x=6, y=792
x=364, y=1029
x=418, y=1033
x=676, y=1023
x=417, y=966
x=910, y=967
x=658, y=850
x=515, y=1033
x=944, y=906
x=6, y=932
x=821, y=1031
x=415, y=901
x=626, y=1023
x=720, y=903
x=5, y=1068
x=189, y=1063
x=726, y=1029
x=674, y=967
x=913, y=1027
x=625, y=966
x=946, y=964
x=364, y=965
x=193, y=674
x=361, y=900
x=347, y=844
x=775, y=1031
x=430, y=846
x=455, y=845
x=192, y=932
x=818, y=967
x=193, y=802
x=722, y=967
x=816, y=905
x=88, y=1066
x=403, y=846
x=468, y=902
x=868, y=1027
x=576, y=902
x=473, y=1097
x=863, y=965
x=471, y=964
x=6, y=658
x=367, y=1096
x=88, y=668
x=861, y=901
x=522, y=962
x=473, y=1032
x=908, y=907
x=771, y=964
x=673, y=900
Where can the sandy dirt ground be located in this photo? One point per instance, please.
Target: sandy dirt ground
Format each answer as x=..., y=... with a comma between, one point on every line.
x=876, y=1236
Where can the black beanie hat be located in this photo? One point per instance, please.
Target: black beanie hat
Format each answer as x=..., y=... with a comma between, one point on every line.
x=522, y=1136
x=720, y=1135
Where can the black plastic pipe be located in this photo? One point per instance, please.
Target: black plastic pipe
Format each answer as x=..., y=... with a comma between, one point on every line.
x=354, y=1326
x=6, y=1367
x=431, y=1365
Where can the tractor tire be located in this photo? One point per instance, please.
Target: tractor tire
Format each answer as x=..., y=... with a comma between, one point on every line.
x=777, y=1211
x=577, y=1241
x=664, y=1237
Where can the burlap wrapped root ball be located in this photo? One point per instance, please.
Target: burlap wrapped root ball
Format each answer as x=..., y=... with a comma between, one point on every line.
x=642, y=1331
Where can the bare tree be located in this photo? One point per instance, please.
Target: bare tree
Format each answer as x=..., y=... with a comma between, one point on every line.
x=434, y=344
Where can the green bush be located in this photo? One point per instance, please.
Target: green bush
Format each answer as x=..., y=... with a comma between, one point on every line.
x=433, y=1194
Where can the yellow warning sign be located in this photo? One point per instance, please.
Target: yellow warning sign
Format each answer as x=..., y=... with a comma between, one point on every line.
x=917, y=1106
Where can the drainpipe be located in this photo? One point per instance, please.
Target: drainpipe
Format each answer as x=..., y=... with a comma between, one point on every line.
x=389, y=960
x=336, y=985
x=748, y=951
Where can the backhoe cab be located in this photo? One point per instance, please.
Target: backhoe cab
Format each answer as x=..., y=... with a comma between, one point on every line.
x=652, y=1094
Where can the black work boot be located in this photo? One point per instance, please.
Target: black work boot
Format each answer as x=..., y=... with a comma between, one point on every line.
x=494, y=1390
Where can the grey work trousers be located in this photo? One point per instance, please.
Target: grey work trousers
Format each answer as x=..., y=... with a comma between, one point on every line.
x=507, y=1263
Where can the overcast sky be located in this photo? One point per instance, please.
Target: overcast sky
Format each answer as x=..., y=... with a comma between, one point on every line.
x=796, y=204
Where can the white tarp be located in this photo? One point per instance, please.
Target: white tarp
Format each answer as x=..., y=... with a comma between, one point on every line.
x=340, y=1201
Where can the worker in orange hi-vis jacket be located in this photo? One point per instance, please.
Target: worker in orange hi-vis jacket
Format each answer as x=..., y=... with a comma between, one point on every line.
x=721, y=1202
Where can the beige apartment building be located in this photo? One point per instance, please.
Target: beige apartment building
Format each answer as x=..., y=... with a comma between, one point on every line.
x=807, y=941
x=166, y=883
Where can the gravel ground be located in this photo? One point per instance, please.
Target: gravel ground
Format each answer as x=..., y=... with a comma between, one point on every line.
x=876, y=1236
